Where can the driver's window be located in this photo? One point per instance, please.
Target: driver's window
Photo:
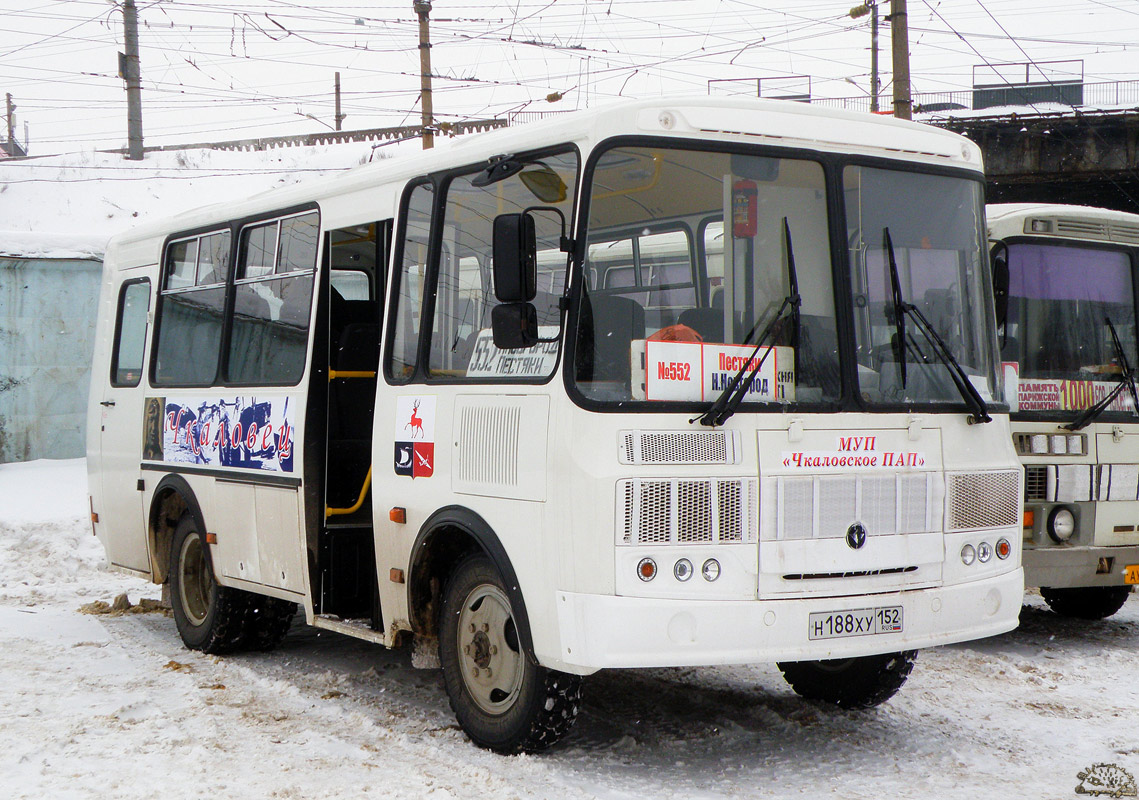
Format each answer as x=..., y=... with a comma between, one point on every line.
x=462, y=345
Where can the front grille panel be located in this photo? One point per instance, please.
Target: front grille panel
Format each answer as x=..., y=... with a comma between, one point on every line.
x=824, y=506
x=683, y=511
x=679, y=447
x=1036, y=483
x=982, y=500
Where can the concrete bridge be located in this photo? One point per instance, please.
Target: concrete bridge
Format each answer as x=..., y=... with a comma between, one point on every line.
x=1080, y=157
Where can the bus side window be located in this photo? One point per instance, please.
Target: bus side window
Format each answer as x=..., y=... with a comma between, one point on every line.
x=130, y=333
x=192, y=303
x=272, y=301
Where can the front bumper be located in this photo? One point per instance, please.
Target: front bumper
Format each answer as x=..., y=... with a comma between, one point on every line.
x=599, y=631
x=1072, y=566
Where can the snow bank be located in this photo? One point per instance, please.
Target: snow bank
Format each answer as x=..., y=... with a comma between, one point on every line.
x=48, y=553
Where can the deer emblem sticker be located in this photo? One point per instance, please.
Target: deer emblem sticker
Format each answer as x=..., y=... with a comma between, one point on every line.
x=415, y=437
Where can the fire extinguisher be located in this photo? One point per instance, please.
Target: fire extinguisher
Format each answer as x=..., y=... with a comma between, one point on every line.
x=744, y=216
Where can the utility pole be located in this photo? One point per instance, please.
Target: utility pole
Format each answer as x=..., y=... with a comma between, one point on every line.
x=11, y=109
x=129, y=68
x=871, y=7
x=339, y=118
x=423, y=9
x=900, y=42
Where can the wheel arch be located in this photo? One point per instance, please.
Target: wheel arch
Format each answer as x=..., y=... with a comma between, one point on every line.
x=172, y=498
x=448, y=536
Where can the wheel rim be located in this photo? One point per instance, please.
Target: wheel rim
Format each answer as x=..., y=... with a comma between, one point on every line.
x=196, y=580
x=490, y=659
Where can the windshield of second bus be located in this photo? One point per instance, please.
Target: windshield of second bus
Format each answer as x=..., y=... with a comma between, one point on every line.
x=1056, y=333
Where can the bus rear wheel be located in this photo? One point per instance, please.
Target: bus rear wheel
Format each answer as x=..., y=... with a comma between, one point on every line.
x=209, y=617
x=503, y=700
x=850, y=683
x=1086, y=602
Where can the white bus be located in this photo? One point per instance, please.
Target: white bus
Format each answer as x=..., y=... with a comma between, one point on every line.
x=682, y=382
x=1064, y=277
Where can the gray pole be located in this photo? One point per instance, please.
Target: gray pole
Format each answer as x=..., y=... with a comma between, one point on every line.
x=874, y=82
x=423, y=9
x=132, y=76
x=900, y=41
x=11, y=109
x=339, y=118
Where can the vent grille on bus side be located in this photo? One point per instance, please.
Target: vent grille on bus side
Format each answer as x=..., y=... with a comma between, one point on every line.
x=983, y=500
x=824, y=506
x=680, y=447
x=1123, y=232
x=492, y=433
x=681, y=511
x=1082, y=228
x=1036, y=482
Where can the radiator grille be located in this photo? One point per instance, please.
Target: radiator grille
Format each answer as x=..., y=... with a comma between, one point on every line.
x=679, y=447
x=684, y=511
x=983, y=500
x=1036, y=483
x=824, y=506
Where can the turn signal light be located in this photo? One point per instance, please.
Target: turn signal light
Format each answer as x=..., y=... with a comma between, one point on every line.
x=1029, y=519
x=647, y=569
x=1004, y=549
x=398, y=515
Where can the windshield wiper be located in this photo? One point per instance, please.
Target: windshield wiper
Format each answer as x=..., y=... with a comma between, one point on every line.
x=1126, y=380
x=960, y=379
x=733, y=394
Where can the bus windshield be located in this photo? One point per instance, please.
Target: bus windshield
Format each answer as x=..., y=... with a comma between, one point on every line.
x=915, y=240
x=1060, y=299
x=674, y=299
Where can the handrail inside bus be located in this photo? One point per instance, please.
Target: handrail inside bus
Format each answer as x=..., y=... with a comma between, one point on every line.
x=333, y=374
x=329, y=511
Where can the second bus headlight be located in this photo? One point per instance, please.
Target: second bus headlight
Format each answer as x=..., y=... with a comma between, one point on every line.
x=1061, y=524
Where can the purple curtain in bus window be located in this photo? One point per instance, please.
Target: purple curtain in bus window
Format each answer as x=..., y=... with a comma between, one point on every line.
x=1048, y=272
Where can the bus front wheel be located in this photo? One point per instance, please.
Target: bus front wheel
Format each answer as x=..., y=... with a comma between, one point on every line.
x=209, y=617
x=1086, y=602
x=850, y=683
x=503, y=700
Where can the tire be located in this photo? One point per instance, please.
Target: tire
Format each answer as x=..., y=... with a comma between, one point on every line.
x=504, y=701
x=850, y=683
x=1087, y=602
x=209, y=617
x=267, y=621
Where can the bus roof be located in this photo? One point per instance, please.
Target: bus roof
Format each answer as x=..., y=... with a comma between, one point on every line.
x=767, y=122
x=1054, y=220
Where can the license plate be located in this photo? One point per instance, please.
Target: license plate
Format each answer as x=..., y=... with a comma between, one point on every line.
x=1131, y=573
x=859, y=622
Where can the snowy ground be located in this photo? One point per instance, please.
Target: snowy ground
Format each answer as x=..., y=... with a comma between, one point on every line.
x=99, y=706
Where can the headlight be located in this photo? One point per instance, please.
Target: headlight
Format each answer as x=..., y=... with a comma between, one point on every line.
x=968, y=554
x=711, y=570
x=1061, y=524
x=984, y=552
x=682, y=570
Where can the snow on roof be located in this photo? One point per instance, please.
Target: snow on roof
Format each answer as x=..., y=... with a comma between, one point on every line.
x=69, y=206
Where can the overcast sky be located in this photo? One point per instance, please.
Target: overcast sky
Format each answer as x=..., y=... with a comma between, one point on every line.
x=227, y=70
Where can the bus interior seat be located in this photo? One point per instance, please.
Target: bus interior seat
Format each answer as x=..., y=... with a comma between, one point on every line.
x=708, y=322
x=610, y=324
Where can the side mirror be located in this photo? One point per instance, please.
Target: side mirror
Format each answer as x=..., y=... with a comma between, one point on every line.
x=515, y=258
x=514, y=326
x=1000, y=282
